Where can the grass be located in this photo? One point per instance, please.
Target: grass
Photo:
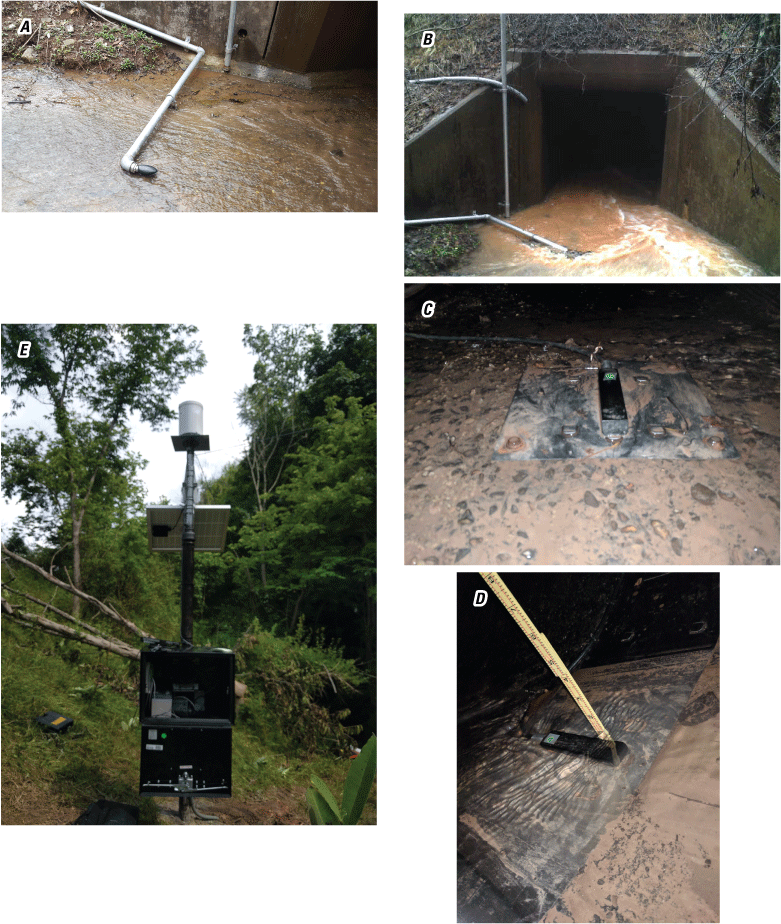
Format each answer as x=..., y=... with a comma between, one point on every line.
x=98, y=757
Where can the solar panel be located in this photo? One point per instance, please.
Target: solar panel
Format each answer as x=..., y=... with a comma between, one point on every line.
x=164, y=525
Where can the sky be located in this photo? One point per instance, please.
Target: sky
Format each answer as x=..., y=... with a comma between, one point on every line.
x=228, y=369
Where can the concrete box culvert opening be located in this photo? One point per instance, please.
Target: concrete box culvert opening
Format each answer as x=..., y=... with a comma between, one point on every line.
x=642, y=123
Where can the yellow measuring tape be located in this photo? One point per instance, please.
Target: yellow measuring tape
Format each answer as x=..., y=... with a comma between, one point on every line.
x=546, y=650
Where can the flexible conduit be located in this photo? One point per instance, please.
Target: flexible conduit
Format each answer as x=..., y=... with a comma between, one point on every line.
x=497, y=221
x=486, y=80
x=128, y=161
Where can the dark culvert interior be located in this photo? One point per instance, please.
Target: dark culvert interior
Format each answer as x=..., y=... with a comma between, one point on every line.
x=596, y=130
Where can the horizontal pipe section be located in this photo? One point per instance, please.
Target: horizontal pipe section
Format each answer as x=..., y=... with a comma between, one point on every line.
x=534, y=237
x=497, y=221
x=486, y=80
x=128, y=161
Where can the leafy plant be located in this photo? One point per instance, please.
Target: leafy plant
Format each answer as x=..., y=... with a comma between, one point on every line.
x=323, y=809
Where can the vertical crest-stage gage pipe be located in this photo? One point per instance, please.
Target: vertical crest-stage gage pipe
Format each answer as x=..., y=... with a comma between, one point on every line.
x=503, y=30
x=229, y=46
x=128, y=162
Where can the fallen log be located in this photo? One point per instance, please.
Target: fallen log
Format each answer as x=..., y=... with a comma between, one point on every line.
x=55, y=628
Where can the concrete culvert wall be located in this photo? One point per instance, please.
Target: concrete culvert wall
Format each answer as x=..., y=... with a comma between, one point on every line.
x=711, y=179
x=299, y=37
x=644, y=113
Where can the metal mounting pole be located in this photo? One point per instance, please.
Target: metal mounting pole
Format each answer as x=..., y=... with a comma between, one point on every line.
x=188, y=551
x=188, y=582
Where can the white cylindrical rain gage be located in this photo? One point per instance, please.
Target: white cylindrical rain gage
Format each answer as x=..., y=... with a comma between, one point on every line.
x=190, y=417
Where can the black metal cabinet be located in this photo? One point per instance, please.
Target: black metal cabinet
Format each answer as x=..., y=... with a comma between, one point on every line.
x=187, y=710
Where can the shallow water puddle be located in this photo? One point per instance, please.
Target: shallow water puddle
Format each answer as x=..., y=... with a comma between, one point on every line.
x=232, y=145
x=616, y=231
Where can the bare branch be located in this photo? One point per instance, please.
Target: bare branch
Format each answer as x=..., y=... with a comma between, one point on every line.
x=108, y=611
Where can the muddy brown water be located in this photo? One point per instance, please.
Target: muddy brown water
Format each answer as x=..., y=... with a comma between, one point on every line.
x=615, y=226
x=232, y=145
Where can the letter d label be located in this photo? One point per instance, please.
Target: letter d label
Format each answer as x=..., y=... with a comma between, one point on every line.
x=481, y=597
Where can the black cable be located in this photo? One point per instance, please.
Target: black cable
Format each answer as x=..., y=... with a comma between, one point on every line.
x=529, y=340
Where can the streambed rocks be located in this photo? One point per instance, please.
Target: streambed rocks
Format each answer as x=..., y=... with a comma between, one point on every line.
x=703, y=494
x=587, y=511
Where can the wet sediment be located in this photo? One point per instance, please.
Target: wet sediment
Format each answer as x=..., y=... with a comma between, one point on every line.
x=462, y=507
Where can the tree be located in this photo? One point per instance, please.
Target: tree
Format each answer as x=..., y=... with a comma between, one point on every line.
x=93, y=377
x=269, y=407
x=346, y=367
x=322, y=523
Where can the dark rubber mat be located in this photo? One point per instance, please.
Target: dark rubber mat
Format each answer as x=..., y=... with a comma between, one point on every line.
x=555, y=414
x=528, y=817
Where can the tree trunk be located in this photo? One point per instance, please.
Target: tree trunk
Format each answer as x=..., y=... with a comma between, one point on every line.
x=76, y=533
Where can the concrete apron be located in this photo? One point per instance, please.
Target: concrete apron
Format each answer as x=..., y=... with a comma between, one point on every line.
x=529, y=819
x=660, y=860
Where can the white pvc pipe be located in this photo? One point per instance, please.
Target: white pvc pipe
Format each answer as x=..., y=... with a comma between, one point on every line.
x=497, y=221
x=128, y=161
x=229, y=46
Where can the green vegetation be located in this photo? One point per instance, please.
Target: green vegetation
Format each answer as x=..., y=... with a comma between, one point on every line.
x=91, y=42
x=434, y=249
x=98, y=757
x=94, y=378
x=294, y=593
x=323, y=809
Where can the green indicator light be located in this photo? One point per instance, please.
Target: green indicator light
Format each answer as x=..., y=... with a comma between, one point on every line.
x=164, y=735
x=610, y=376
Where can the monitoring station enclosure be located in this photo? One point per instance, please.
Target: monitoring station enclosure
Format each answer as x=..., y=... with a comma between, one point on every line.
x=187, y=710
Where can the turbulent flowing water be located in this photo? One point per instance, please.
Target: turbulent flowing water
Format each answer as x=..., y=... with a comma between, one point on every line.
x=616, y=232
x=232, y=145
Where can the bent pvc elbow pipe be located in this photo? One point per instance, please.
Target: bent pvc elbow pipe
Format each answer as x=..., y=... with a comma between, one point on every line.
x=128, y=162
